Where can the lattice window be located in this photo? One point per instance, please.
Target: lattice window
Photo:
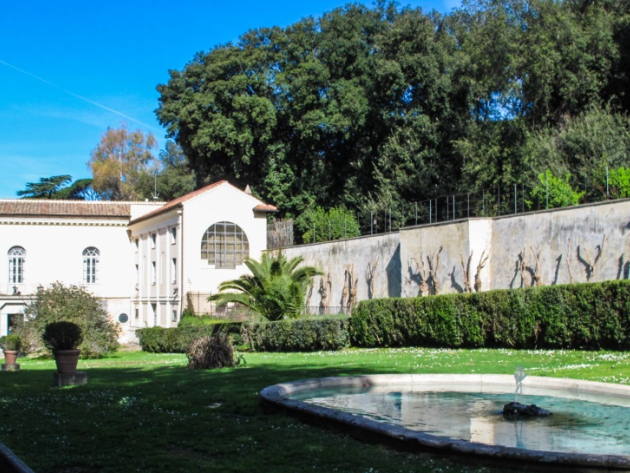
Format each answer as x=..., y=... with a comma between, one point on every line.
x=17, y=257
x=90, y=264
x=224, y=245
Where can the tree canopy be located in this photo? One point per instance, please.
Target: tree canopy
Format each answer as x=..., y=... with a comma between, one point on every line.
x=373, y=108
x=58, y=187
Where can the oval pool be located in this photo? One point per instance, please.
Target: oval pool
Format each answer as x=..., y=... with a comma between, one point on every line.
x=590, y=425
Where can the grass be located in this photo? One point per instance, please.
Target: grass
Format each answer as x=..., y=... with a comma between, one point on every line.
x=149, y=413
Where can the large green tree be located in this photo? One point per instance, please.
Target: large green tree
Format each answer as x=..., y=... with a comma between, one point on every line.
x=374, y=109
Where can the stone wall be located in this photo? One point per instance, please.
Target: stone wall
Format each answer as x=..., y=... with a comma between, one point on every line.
x=354, y=269
x=576, y=244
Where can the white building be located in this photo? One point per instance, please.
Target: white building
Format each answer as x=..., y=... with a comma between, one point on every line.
x=145, y=260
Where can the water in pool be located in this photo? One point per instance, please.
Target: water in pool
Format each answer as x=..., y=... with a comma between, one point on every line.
x=576, y=426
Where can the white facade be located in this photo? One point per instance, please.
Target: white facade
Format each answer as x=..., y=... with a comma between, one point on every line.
x=140, y=258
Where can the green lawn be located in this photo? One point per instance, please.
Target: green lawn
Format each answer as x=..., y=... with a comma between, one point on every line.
x=149, y=413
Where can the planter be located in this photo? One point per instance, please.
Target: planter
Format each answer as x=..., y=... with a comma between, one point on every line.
x=67, y=361
x=10, y=356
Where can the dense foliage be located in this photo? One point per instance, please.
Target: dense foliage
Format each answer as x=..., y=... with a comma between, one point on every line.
x=70, y=304
x=59, y=187
x=62, y=336
x=317, y=224
x=595, y=315
x=309, y=334
x=297, y=335
x=275, y=289
x=179, y=339
x=551, y=191
x=11, y=342
x=373, y=109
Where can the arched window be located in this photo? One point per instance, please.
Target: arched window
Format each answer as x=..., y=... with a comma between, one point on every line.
x=90, y=260
x=224, y=245
x=17, y=255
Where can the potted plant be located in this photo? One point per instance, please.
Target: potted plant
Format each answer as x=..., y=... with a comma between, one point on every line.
x=11, y=345
x=63, y=338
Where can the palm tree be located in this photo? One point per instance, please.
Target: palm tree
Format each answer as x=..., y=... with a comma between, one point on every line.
x=275, y=289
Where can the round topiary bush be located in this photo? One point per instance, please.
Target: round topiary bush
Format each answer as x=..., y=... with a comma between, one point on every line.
x=62, y=336
x=214, y=351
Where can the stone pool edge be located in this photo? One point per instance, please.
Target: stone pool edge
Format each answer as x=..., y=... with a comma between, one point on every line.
x=278, y=394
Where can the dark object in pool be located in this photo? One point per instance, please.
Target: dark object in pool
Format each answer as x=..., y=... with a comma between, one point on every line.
x=516, y=410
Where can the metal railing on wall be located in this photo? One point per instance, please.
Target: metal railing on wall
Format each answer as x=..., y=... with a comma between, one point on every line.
x=499, y=201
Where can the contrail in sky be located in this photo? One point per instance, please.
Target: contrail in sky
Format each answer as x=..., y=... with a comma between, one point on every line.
x=77, y=96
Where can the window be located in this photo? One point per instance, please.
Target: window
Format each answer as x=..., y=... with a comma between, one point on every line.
x=153, y=239
x=90, y=260
x=155, y=314
x=17, y=256
x=136, y=242
x=153, y=272
x=173, y=270
x=173, y=235
x=224, y=245
x=174, y=319
x=137, y=313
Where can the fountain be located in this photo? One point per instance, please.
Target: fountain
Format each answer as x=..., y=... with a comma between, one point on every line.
x=590, y=425
x=515, y=410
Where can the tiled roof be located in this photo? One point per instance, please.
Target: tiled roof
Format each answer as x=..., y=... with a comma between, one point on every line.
x=266, y=208
x=64, y=208
x=262, y=207
x=176, y=202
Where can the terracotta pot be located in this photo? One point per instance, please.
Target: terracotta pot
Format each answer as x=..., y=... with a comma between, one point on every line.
x=9, y=357
x=67, y=360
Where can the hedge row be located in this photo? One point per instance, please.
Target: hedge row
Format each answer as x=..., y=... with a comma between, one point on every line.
x=285, y=335
x=177, y=339
x=595, y=315
x=297, y=335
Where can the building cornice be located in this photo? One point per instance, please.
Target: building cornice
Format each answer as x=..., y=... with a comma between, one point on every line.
x=56, y=223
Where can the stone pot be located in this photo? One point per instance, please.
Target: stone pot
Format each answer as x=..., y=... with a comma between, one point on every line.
x=67, y=361
x=10, y=356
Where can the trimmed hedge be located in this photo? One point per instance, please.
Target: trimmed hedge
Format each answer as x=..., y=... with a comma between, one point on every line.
x=329, y=333
x=178, y=339
x=593, y=315
x=311, y=334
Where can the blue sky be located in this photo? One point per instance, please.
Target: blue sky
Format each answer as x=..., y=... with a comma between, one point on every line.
x=70, y=69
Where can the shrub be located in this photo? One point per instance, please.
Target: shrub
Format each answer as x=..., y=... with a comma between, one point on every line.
x=619, y=182
x=297, y=335
x=177, y=340
x=593, y=315
x=551, y=192
x=62, y=336
x=208, y=352
x=11, y=342
x=317, y=224
x=199, y=320
x=71, y=304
